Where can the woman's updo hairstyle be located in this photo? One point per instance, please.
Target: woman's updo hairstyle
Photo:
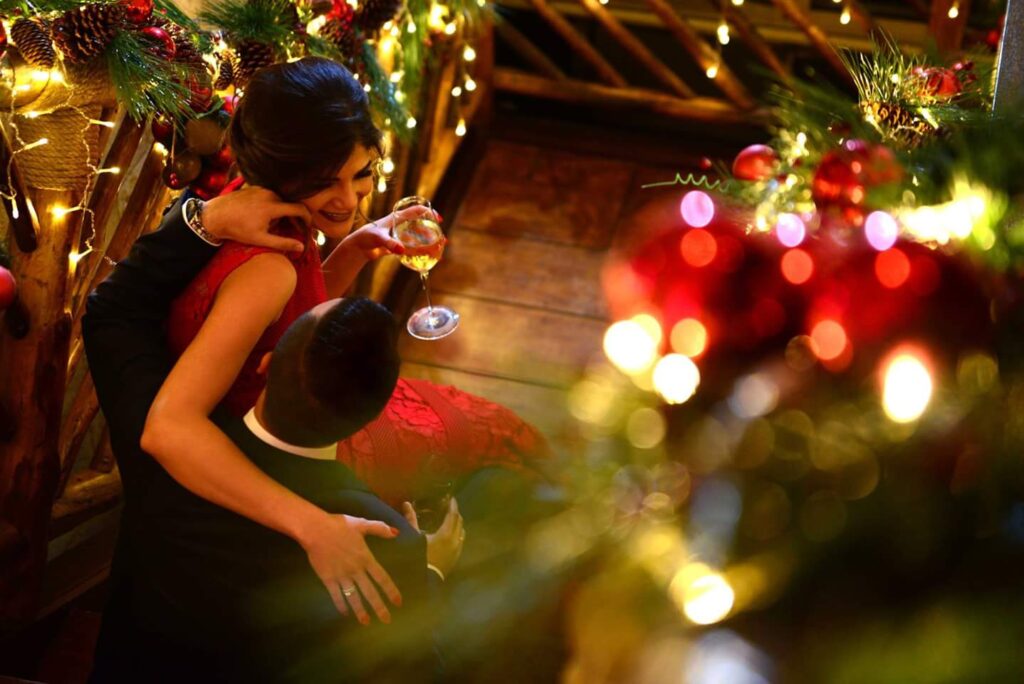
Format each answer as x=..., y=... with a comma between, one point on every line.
x=297, y=124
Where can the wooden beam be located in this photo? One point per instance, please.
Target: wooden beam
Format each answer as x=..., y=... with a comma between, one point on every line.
x=527, y=50
x=862, y=16
x=949, y=32
x=704, y=54
x=638, y=50
x=921, y=7
x=32, y=383
x=578, y=43
x=753, y=39
x=705, y=109
x=21, y=213
x=802, y=20
x=84, y=408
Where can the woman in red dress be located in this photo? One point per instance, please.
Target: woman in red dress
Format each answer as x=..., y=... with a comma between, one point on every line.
x=304, y=131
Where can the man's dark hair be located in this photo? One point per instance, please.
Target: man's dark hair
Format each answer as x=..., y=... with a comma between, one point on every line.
x=298, y=123
x=331, y=375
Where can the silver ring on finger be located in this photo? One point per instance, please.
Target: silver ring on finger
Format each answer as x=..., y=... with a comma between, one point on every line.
x=348, y=591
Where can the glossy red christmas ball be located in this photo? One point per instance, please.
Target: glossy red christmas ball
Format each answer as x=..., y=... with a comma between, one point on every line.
x=8, y=288
x=137, y=11
x=341, y=10
x=211, y=181
x=171, y=179
x=222, y=159
x=163, y=131
x=755, y=163
x=840, y=182
x=162, y=43
x=3, y=40
x=939, y=82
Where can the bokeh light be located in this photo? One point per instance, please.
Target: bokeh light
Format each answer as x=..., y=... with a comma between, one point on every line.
x=676, y=378
x=892, y=268
x=689, y=337
x=829, y=339
x=645, y=428
x=698, y=248
x=881, y=230
x=907, y=387
x=797, y=266
x=630, y=346
x=790, y=230
x=754, y=395
x=704, y=595
x=650, y=325
x=697, y=208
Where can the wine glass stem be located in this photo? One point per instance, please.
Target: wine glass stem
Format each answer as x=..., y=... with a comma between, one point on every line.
x=426, y=291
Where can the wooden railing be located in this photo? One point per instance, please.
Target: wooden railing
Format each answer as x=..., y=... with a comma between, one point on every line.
x=57, y=471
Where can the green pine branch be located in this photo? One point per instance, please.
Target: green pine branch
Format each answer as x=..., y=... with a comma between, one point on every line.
x=145, y=84
x=263, y=21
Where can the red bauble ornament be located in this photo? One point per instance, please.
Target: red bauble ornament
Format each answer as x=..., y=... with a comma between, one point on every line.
x=163, y=43
x=841, y=180
x=211, y=181
x=755, y=163
x=172, y=180
x=939, y=82
x=8, y=288
x=3, y=40
x=202, y=95
x=163, y=131
x=342, y=11
x=705, y=164
x=230, y=102
x=137, y=12
x=222, y=159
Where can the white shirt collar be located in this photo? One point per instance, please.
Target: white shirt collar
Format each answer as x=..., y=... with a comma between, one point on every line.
x=327, y=453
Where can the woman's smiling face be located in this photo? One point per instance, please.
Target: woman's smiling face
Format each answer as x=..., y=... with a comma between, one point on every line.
x=334, y=208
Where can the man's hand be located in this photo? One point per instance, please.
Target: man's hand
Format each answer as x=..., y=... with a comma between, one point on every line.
x=444, y=547
x=247, y=215
x=339, y=555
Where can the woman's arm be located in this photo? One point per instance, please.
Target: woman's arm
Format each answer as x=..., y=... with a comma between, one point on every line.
x=194, y=451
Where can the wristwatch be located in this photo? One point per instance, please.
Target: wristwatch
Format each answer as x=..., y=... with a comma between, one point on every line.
x=192, y=212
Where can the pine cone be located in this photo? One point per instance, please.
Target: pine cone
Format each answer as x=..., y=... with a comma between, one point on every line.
x=343, y=35
x=373, y=14
x=252, y=56
x=185, y=50
x=84, y=33
x=226, y=73
x=32, y=38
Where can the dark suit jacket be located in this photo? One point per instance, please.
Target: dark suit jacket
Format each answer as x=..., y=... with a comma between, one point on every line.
x=202, y=594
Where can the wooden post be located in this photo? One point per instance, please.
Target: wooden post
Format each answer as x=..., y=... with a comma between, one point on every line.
x=1009, y=95
x=752, y=38
x=949, y=31
x=32, y=380
x=527, y=50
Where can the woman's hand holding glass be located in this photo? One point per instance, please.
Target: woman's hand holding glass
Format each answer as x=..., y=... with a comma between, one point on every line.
x=444, y=547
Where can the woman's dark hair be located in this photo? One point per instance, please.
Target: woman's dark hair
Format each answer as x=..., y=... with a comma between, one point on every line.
x=297, y=124
x=331, y=375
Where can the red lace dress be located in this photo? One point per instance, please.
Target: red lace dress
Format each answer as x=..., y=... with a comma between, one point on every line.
x=426, y=434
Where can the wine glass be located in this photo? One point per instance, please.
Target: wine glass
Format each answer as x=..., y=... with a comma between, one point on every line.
x=424, y=243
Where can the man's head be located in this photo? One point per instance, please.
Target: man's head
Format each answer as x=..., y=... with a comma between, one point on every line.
x=331, y=373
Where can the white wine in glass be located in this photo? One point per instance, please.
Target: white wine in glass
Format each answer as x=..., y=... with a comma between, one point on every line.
x=414, y=226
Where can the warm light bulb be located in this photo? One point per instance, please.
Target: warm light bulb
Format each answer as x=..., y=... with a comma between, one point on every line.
x=382, y=185
x=676, y=378
x=411, y=27
x=712, y=70
x=456, y=91
x=723, y=33
x=410, y=122
x=470, y=85
x=388, y=165
x=630, y=347
x=705, y=596
x=469, y=54
x=954, y=11
x=449, y=29
x=844, y=18
x=396, y=76
x=907, y=388
x=460, y=129
x=737, y=3
x=37, y=143
x=367, y=88
x=112, y=169
x=321, y=239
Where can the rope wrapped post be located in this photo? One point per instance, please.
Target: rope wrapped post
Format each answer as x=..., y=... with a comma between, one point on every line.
x=56, y=177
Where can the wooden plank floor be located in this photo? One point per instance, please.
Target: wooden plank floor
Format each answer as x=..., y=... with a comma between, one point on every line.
x=522, y=268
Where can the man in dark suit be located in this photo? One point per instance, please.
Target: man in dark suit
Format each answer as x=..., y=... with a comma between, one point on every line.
x=199, y=593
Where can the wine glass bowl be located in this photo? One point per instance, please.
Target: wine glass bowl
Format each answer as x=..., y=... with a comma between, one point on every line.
x=413, y=223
